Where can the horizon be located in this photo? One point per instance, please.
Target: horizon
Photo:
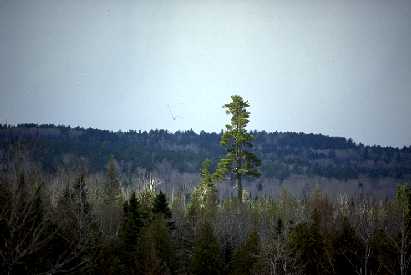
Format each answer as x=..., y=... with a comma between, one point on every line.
x=138, y=131
x=341, y=68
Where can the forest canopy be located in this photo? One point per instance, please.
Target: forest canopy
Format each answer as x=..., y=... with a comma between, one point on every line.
x=68, y=204
x=281, y=154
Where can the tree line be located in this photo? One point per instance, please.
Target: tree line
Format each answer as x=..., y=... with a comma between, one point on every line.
x=80, y=223
x=282, y=154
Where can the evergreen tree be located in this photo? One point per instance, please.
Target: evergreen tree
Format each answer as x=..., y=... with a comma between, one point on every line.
x=309, y=247
x=160, y=206
x=161, y=209
x=238, y=161
x=246, y=257
x=207, y=257
x=347, y=247
x=130, y=235
x=158, y=251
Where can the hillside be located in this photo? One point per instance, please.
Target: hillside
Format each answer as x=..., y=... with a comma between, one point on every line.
x=282, y=154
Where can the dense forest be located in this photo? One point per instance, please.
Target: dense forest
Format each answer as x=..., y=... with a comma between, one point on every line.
x=282, y=154
x=86, y=201
x=80, y=224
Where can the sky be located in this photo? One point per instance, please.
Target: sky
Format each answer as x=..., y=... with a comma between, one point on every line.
x=337, y=67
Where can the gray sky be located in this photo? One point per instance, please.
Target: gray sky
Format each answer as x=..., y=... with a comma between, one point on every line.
x=340, y=68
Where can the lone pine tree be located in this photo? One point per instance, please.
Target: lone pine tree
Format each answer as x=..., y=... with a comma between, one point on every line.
x=238, y=160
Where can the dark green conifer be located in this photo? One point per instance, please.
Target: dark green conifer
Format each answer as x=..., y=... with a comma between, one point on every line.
x=207, y=258
x=158, y=251
x=348, y=248
x=130, y=235
x=160, y=206
x=246, y=257
x=239, y=160
x=309, y=247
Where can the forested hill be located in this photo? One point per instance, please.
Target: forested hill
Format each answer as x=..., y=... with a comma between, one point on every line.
x=282, y=154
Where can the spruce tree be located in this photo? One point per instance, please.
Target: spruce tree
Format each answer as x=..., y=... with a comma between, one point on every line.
x=246, y=257
x=309, y=247
x=160, y=206
x=162, y=210
x=207, y=257
x=157, y=247
x=130, y=235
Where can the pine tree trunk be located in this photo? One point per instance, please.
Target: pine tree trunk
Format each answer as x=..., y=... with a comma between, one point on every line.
x=239, y=185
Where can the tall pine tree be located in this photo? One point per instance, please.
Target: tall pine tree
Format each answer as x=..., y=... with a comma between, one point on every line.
x=239, y=160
